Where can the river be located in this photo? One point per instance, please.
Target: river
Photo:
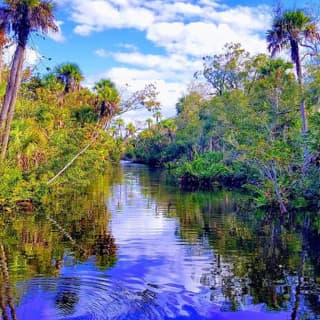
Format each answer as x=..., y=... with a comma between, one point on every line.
x=133, y=247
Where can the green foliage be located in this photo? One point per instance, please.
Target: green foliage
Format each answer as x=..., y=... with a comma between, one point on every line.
x=248, y=134
x=107, y=91
x=84, y=115
x=208, y=165
x=210, y=169
x=70, y=75
x=46, y=133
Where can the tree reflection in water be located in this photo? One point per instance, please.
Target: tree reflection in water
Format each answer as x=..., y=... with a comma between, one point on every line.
x=268, y=261
x=35, y=244
x=6, y=294
x=255, y=262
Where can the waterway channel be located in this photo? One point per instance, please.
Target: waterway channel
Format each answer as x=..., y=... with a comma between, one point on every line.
x=133, y=247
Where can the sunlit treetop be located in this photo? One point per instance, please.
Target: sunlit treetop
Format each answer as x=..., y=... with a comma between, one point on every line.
x=289, y=28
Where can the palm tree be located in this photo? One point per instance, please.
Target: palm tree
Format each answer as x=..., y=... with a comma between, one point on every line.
x=108, y=98
x=171, y=128
x=157, y=116
x=49, y=81
x=293, y=30
x=120, y=124
x=70, y=75
x=130, y=129
x=149, y=122
x=21, y=17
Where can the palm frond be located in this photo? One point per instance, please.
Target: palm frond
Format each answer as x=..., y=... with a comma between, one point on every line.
x=288, y=31
x=42, y=19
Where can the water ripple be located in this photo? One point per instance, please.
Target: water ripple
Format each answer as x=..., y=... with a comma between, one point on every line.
x=98, y=298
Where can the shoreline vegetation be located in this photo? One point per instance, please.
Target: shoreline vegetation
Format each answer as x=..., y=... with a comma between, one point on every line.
x=48, y=121
x=248, y=121
x=52, y=129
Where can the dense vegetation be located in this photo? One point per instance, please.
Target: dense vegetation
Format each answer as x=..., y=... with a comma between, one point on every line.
x=52, y=125
x=255, y=127
x=48, y=121
x=250, y=122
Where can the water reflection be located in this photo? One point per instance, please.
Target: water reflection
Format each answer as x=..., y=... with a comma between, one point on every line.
x=6, y=294
x=228, y=257
x=35, y=248
x=132, y=247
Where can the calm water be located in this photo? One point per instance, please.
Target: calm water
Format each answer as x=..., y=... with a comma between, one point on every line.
x=131, y=247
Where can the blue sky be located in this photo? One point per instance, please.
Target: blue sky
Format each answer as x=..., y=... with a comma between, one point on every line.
x=136, y=42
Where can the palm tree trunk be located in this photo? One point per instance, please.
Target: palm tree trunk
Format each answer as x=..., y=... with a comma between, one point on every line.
x=10, y=88
x=1, y=64
x=297, y=61
x=12, y=92
x=3, y=41
x=304, y=125
x=6, y=134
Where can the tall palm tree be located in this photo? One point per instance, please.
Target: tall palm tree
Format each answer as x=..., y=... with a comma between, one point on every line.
x=120, y=124
x=157, y=116
x=21, y=17
x=108, y=98
x=70, y=75
x=170, y=127
x=293, y=30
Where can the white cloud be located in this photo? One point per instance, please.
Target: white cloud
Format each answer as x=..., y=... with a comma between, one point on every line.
x=96, y=15
x=101, y=53
x=211, y=3
x=126, y=74
x=243, y=18
x=84, y=30
x=169, y=64
x=128, y=46
x=185, y=30
x=201, y=38
x=177, y=26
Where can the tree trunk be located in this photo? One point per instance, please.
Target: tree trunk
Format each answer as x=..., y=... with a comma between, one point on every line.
x=297, y=60
x=304, y=125
x=1, y=63
x=10, y=87
x=3, y=42
x=74, y=159
x=12, y=92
